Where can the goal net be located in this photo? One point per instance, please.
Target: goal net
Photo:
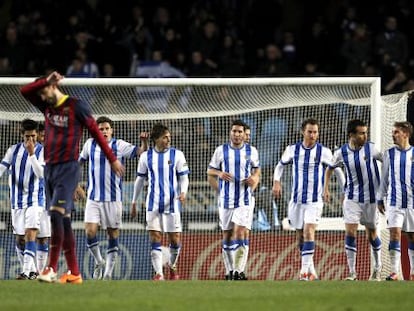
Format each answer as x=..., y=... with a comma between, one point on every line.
x=198, y=113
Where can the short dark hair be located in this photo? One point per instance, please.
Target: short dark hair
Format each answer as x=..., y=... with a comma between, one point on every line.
x=247, y=127
x=238, y=122
x=41, y=127
x=104, y=119
x=310, y=121
x=405, y=126
x=157, y=131
x=28, y=125
x=353, y=124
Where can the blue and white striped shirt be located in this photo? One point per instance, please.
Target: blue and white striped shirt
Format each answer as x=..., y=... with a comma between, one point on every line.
x=26, y=188
x=308, y=166
x=103, y=184
x=239, y=163
x=397, y=183
x=362, y=172
x=163, y=169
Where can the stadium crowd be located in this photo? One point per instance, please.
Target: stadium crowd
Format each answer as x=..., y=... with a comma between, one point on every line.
x=215, y=38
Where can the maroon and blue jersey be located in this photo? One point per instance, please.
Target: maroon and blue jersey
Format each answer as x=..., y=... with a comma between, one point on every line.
x=64, y=125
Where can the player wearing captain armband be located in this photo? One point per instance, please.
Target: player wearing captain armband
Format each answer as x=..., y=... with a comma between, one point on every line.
x=309, y=159
x=396, y=196
x=166, y=170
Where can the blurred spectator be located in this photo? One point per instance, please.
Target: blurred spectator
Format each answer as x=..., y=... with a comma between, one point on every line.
x=311, y=69
x=231, y=60
x=392, y=42
x=82, y=67
x=4, y=66
x=207, y=42
x=108, y=71
x=170, y=45
x=161, y=24
x=233, y=37
x=273, y=64
x=198, y=66
x=357, y=50
x=12, y=49
x=396, y=84
x=316, y=43
x=289, y=50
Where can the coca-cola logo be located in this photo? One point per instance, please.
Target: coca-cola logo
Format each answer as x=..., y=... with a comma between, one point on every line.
x=272, y=256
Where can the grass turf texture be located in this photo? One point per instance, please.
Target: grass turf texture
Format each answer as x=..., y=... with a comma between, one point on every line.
x=206, y=295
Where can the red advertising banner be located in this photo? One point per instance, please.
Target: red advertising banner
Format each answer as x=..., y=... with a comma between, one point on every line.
x=272, y=256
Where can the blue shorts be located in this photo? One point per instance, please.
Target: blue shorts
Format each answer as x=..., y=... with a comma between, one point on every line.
x=61, y=180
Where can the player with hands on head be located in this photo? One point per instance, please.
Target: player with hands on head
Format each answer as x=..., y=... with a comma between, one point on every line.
x=65, y=119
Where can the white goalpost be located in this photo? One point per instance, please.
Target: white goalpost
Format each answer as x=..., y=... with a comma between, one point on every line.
x=198, y=112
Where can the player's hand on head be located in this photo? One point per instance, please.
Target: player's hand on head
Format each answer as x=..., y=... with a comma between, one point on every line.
x=54, y=77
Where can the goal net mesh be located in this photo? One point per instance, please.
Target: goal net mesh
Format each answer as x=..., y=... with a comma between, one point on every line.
x=198, y=113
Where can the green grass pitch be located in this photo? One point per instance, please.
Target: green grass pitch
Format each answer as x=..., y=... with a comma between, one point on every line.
x=207, y=295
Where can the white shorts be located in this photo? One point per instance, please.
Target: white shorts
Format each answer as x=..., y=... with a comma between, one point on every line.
x=230, y=216
x=168, y=222
x=26, y=218
x=106, y=214
x=401, y=218
x=361, y=213
x=308, y=213
x=44, y=230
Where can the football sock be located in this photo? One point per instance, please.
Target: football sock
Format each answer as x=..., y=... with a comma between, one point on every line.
x=376, y=251
x=174, y=253
x=69, y=247
x=56, y=240
x=111, y=256
x=19, y=251
x=93, y=246
x=227, y=254
x=239, y=255
x=41, y=255
x=351, y=251
x=246, y=255
x=156, y=257
x=395, y=256
x=29, y=257
x=308, y=250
